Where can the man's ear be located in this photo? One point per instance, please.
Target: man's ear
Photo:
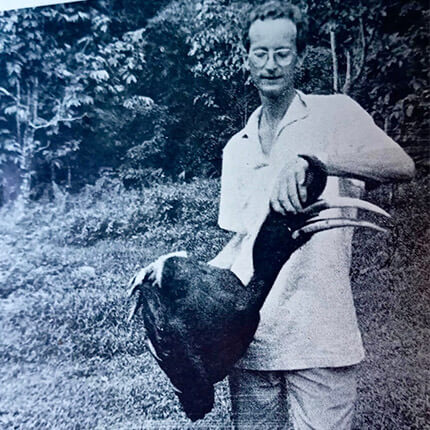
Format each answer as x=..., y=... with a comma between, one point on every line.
x=246, y=62
x=300, y=60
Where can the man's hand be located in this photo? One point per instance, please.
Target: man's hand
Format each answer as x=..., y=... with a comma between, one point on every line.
x=290, y=192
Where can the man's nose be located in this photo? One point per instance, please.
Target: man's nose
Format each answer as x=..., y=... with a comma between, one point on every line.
x=271, y=63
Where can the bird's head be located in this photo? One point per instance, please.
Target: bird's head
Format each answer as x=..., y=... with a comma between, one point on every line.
x=281, y=235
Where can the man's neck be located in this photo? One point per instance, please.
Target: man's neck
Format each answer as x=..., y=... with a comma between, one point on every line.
x=274, y=108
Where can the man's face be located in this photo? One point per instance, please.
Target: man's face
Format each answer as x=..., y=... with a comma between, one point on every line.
x=272, y=56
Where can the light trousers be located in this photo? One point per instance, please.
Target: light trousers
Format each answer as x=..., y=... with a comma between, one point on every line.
x=317, y=399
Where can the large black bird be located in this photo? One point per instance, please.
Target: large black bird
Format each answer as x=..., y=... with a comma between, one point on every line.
x=200, y=319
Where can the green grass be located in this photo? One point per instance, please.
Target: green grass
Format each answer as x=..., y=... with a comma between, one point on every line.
x=70, y=360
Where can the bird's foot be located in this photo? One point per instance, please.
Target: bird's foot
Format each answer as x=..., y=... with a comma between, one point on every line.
x=151, y=274
x=316, y=222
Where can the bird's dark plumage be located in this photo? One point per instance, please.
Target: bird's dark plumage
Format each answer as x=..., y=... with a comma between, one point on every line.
x=200, y=319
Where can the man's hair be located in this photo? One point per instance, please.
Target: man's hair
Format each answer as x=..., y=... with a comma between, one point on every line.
x=278, y=10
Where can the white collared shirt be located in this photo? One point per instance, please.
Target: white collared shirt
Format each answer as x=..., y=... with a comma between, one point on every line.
x=308, y=319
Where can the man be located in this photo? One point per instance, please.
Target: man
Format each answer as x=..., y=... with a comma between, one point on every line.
x=308, y=341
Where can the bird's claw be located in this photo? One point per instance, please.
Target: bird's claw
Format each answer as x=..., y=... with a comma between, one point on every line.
x=136, y=281
x=152, y=350
x=149, y=274
x=317, y=222
x=134, y=289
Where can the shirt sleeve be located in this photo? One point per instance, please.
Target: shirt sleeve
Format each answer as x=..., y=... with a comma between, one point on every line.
x=226, y=257
x=229, y=217
x=360, y=149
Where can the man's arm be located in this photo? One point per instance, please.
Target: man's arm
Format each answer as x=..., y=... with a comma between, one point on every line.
x=226, y=257
x=359, y=149
x=380, y=165
x=229, y=216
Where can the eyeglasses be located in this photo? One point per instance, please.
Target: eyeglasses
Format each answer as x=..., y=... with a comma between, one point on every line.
x=282, y=57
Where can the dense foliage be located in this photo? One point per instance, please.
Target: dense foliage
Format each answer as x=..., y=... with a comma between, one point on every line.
x=151, y=91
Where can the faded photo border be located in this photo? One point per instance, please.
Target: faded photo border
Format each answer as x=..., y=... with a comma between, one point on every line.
x=22, y=4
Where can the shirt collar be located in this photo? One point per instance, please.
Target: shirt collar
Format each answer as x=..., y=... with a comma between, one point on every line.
x=297, y=110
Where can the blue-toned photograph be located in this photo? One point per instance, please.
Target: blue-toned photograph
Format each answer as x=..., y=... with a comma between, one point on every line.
x=214, y=214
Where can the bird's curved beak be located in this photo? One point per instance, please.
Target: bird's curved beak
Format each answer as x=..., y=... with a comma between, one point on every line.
x=316, y=222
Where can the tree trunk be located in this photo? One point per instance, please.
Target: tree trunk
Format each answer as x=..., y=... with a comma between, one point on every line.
x=348, y=76
x=69, y=177
x=28, y=138
x=334, y=59
x=25, y=166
